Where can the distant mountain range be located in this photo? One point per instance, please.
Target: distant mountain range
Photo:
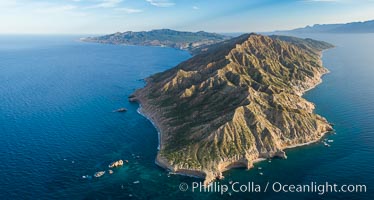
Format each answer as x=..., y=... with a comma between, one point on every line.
x=189, y=41
x=353, y=27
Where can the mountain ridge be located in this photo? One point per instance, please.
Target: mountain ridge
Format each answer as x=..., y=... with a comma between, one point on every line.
x=352, y=27
x=234, y=103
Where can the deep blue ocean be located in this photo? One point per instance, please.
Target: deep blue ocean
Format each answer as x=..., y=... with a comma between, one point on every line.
x=57, y=95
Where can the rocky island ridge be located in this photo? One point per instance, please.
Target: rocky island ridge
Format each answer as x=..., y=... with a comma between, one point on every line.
x=235, y=103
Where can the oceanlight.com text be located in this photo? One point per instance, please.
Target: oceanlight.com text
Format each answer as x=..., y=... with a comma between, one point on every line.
x=277, y=187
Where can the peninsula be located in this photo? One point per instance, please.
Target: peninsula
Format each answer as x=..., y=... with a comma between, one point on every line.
x=234, y=103
x=189, y=41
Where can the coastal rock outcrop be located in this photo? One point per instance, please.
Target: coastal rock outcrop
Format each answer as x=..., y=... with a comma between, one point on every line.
x=120, y=110
x=117, y=163
x=99, y=174
x=237, y=102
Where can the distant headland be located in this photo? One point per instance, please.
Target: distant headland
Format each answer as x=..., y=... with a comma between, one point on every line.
x=189, y=41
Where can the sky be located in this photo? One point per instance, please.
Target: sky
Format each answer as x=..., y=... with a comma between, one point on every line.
x=222, y=16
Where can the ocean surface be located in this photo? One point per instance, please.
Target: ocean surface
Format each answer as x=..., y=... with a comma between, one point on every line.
x=57, y=124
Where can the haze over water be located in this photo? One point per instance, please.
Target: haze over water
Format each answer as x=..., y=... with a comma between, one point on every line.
x=56, y=123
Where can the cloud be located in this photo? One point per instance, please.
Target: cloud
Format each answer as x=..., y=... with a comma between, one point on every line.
x=106, y=4
x=56, y=9
x=195, y=8
x=129, y=10
x=161, y=3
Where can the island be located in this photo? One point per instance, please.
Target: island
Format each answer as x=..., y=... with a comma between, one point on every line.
x=235, y=103
x=189, y=41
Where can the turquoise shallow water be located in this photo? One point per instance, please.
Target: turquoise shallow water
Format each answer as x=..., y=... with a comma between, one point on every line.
x=56, y=123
